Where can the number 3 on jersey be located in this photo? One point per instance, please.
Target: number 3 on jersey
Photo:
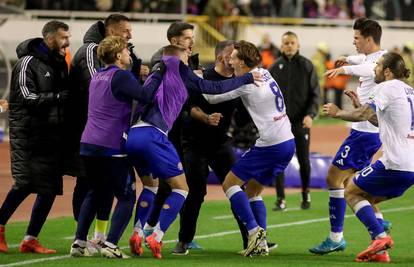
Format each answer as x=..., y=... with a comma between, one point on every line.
x=344, y=153
x=280, y=104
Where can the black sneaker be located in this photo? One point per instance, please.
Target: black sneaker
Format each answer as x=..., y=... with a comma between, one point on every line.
x=280, y=205
x=306, y=201
x=272, y=246
x=181, y=249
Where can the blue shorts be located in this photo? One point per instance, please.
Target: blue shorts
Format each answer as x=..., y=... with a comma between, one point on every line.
x=150, y=151
x=379, y=182
x=264, y=163
x=357, y=150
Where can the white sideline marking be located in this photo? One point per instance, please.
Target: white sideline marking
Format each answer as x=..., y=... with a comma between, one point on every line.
x=230, y=216
x=20, y=263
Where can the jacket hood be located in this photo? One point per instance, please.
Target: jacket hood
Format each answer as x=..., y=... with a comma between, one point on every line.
x=30, y=47
x=156, y=57
x=95, y=33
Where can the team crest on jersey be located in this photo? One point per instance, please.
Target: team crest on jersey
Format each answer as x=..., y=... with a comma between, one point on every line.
x=280, y=66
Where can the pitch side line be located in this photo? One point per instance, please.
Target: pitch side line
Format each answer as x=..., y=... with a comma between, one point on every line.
x=20, y=263
x=231, y=216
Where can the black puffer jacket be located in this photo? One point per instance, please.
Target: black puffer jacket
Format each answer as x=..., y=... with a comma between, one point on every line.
x=84, y=65
x=37, y=117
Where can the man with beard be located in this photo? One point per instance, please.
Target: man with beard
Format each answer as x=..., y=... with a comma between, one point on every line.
x=37, y=106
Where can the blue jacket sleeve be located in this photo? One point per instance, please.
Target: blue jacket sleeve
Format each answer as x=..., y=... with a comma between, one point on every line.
x=193, y=82
x=126, y=87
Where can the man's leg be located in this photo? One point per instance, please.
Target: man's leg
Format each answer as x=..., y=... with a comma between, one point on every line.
x=169, y=212
x=302, y=140
x=164, y=190
x=240, y=204
x=280, y=203
x=196, y=169
x=337, y=207
x=221, y=162
x=79, y=193
x=360, y=202
x=13, y=200
x=123, y=184
x=100, y=197
x=143, y=208
x=40, y=211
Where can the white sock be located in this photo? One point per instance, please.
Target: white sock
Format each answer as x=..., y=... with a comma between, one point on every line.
x=378, y=215
x=29, y=237
x=139, y=231
x=381, y=235
x=253, y=231
x=159, y=234
x=337, y=237
x=99, y=236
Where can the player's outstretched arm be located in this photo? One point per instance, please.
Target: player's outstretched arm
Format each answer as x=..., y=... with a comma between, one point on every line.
x=363, y=113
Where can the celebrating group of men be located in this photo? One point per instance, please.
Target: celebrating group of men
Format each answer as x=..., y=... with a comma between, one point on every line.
x=110, y=115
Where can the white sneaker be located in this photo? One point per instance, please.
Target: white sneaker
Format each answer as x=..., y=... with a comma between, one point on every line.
x=78, y=251
x=116, y=252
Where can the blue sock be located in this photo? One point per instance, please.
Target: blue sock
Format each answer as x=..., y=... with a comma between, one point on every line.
x=144, y=205
x=259, y=211
x=365, y=213
x=175, y=201
x=120, y=218
x=337, y=208
x=240, y=205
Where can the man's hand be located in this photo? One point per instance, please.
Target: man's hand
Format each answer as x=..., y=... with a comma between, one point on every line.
x=258, y=77
x=199, y=73
x=144, y=71
x=340, y=61
x=213, y=119
x=330, y=110
x=354, y=98
x=62, y=96
x=307, y=122
x=335, y=72
x=4, y=105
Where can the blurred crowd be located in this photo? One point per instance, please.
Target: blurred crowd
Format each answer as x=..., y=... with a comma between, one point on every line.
x=330, y=9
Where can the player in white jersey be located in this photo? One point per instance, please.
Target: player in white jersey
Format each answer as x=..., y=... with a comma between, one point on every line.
x=271, y=153
x=392, y=108
x=357, y=150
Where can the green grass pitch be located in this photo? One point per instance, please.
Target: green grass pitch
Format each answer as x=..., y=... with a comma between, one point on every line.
x=294, y=230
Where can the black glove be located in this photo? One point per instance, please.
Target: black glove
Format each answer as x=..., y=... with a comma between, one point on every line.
x=62, y=96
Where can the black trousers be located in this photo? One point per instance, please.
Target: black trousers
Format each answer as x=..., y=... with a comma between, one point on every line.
x=110, y=177
x=40, y=211
x=302, y=141
x=196, y=163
